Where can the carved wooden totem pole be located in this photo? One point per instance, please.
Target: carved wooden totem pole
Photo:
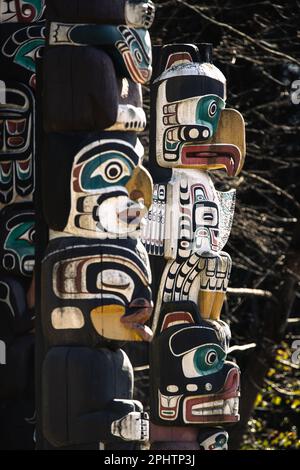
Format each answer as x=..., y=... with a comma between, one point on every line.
x=21, y=38
x=94, y=279
x=95, y=271
x=194, y=389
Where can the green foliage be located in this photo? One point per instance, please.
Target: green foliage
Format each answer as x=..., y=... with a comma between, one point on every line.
x=277, y=409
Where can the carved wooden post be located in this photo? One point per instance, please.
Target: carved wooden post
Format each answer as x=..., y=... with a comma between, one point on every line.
x=21, y=39
x=194, y=389
x=95, y=272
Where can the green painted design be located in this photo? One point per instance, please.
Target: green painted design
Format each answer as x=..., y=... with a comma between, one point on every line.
x=24, y=175
x=171, y=146
x=209, y=359
x=208, y=112
x=5, y=178
x=20, y=240
x=38, y=4
x=106, y=170
x=27, y=54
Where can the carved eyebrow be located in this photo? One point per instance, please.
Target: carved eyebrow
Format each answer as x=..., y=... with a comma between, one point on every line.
x=191, y=86
x=189, y=338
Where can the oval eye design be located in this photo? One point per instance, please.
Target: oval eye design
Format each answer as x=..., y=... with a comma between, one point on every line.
x=28, y=236
x=39, y=53
x=199, y=195
x=211, y=357
x=212, y=109
x=112, y=171
x=202, y=361
x=138, y=56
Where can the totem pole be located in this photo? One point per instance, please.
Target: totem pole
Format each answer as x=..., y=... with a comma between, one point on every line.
x=21, y=39
x=95, y=272
x=194, y=390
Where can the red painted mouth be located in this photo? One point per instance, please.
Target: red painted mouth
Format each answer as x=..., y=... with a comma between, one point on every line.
x=219, y=408
x=214, y=156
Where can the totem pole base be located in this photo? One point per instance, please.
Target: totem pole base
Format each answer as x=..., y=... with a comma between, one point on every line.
x=171, y=438
x=187, y=438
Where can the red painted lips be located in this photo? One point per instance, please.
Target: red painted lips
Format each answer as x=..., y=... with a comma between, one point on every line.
x=214, y=156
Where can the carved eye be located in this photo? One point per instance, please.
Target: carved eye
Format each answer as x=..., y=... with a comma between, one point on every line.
x=212, y=109
x=112, y=171
x=199, y=195
x=204, y=360
x=211, y=357
x=28, y=236
x=39, y=53
x=35, y=53
x=138, y=56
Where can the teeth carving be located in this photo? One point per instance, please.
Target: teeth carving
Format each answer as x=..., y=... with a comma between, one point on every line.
x=29, y=265
x=227, y=407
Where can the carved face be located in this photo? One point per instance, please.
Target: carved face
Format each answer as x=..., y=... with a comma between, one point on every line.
x=16, y=142
x=21, y=11
x=192, y=381
x=109, y=190
x=191, y=127
x=23, y=47
x=99, y=290
x=17, y=239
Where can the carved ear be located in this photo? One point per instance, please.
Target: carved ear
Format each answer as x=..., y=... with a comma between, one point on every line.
x=176, y=313
x=176, y=54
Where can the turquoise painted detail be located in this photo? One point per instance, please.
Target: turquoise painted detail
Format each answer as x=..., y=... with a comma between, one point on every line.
x=38, y=5
x=106, y=170
x=171, y=146
x=6, y=178
x=24, y=175
x=27, y=54
x=208, y=112
x=209, y=359
x=20, y=240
